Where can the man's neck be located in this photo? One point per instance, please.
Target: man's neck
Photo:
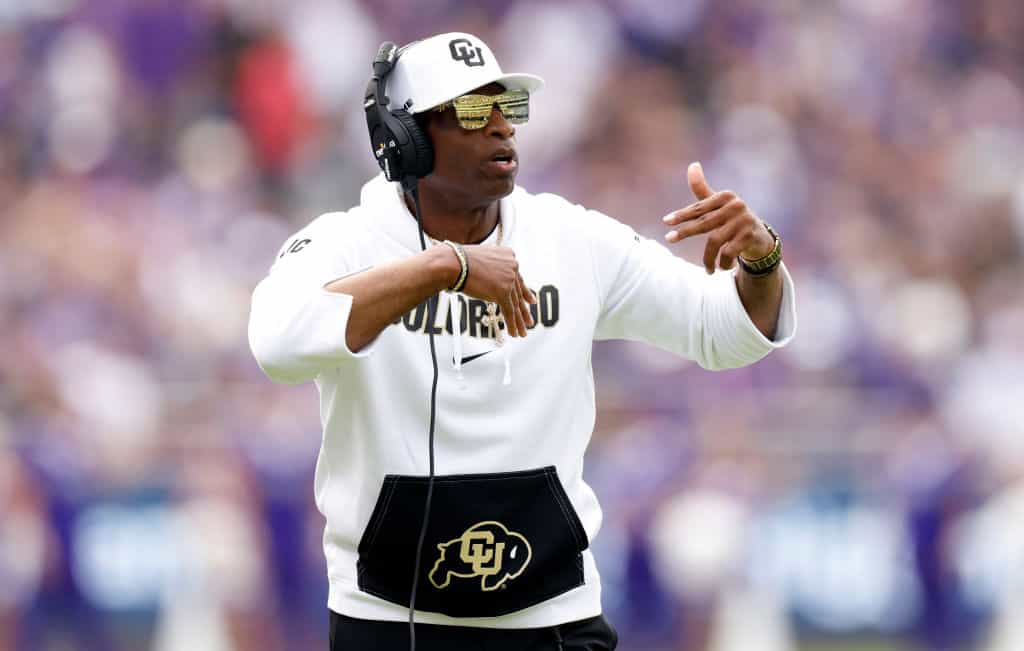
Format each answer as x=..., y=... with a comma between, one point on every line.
x=448, y=219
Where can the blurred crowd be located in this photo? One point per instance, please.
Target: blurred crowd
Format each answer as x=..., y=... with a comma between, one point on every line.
x=862, y=489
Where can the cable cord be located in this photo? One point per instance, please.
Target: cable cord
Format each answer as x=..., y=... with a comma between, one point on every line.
x=430, y=481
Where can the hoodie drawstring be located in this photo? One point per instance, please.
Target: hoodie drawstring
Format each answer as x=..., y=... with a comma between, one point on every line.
x=507, y=379
x=455, y=308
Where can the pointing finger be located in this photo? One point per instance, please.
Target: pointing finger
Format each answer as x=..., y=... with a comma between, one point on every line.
x=698, y=184
x=705, y=223
x=699, y=208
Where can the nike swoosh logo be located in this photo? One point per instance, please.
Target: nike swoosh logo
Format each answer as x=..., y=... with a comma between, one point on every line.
x=470, y=358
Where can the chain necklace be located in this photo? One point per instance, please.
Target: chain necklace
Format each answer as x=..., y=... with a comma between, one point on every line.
x=492, y=319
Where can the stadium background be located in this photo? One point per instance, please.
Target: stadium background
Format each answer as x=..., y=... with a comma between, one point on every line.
x=862, y=490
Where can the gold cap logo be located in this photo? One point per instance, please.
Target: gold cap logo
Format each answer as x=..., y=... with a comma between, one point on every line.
x=488, y=550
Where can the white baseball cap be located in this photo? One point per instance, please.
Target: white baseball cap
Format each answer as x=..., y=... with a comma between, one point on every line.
x=440, y=68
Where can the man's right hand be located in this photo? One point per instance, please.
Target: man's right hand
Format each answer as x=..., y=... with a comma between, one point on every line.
x=494, y=277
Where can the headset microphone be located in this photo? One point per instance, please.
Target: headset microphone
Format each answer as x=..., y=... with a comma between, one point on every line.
x=405, y=154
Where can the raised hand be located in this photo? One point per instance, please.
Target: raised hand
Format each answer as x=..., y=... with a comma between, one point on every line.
x=494, y=277
x=733, y=230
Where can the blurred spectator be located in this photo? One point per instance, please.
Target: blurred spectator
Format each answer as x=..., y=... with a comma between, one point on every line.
x=26, y=545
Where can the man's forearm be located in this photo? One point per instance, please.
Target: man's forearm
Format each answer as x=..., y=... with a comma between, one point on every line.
x=762, y=298
x=385, y=293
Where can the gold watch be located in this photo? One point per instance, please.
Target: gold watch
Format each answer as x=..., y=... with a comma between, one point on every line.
x=767, y=264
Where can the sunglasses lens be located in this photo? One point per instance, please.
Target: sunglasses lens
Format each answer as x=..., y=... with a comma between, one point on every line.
x=515, y=106
x=474, y=111
x=471, y=122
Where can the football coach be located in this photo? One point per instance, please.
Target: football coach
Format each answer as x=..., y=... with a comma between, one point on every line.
x=447, y=321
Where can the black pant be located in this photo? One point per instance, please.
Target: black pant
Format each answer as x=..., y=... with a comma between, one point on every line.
x=350, y=634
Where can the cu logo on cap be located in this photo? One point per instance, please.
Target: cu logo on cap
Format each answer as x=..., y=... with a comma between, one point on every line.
x=462, y=50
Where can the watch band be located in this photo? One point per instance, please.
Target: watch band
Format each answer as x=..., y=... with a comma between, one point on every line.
x=767, y=264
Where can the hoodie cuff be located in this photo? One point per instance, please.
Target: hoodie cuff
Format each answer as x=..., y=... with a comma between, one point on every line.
x=332, y=329
x=740, y=341
x=335, y=304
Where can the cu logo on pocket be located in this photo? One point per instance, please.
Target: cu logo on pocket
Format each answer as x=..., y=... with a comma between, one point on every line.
x=462, y=50
x=487, y=550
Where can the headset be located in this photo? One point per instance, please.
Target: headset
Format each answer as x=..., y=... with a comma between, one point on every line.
x=405, y=153
x=402, y=150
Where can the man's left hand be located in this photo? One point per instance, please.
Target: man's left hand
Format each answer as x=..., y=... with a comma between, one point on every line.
x=733, y=230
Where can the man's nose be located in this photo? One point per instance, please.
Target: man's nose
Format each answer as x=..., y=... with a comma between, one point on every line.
x=498, y=125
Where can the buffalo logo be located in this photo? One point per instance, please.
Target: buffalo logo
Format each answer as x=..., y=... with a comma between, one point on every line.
x=462, y=50
x=488, y=550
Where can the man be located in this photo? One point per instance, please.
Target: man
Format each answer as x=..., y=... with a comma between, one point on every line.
x=352, y=302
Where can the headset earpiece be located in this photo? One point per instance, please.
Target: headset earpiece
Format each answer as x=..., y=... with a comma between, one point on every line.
x=421, y=162
x=402, y=149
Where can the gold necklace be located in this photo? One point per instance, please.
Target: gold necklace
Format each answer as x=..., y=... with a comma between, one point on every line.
x=492, y=319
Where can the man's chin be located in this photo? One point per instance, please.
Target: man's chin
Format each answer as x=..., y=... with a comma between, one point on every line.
x=501, y=187
x=475, y=188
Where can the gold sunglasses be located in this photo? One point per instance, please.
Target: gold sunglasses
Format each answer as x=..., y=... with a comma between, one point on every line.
x=474, y=111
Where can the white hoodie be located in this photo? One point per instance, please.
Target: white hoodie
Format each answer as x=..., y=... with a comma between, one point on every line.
x=597, y=279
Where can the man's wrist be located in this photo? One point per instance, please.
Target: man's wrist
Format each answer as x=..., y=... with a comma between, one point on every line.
x=460, y=253
x=445, y=267
x=766, y=264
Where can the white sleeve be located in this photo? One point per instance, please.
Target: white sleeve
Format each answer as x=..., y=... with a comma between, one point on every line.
x=651, y=295
x=296, y=327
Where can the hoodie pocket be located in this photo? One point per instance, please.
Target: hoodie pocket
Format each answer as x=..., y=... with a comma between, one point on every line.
x=495, y=543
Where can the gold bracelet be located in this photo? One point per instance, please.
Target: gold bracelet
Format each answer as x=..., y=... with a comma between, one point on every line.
x=767, y=264
x=463, y=262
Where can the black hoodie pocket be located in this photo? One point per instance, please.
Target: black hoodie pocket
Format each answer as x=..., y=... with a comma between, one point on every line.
x=495, y=543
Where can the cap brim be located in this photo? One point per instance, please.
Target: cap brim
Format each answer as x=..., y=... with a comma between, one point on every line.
x=521, y=81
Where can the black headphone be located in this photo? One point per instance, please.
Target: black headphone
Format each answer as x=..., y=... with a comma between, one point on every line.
x=402, y=149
